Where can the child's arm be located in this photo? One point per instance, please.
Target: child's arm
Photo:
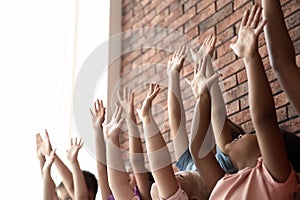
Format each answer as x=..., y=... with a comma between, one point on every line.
x=80, y=189
x=158, y=153
x=136, y=155
x=117, y=175
x=176, y=112
x=49, y=186
x=281, y=51
x=98, y=118
x=218, y=117
x=206, y=164
x=261, y=102
x=40, y=151
x=62, y=169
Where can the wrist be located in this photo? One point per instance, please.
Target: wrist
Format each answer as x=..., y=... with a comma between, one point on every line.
x=253, y=55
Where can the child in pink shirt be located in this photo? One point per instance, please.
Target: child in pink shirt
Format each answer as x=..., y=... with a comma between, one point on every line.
x=264, y=169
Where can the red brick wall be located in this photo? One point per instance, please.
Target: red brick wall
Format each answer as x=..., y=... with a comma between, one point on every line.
x=195, y=20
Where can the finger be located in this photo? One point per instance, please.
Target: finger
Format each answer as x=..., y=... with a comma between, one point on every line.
x=119, y=96
x=80, y=143
x=98, y=105
x=101, y=105
x=206, y=40
x=121, y=122
x=251, y=16
x=151, y=88
x=181, y=50
x=119, y=113
x=203, y=66
x=116, y=110
x=132, y=97
x=125, y=93
x=212, y=40
x=92, y=114
x=256, y=18
x=155, y=92
x=71, y=142
x=95, y=107
x=75, y=141
x=46, y=134
x=245, y=18
x=38, y=138
x=188, y=81
x=260, y=27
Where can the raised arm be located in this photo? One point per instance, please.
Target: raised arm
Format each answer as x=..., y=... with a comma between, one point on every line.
x=117, y=175
x=136, y=153
x=206, y=163
x=218, y=111
x=261, y=102
x=62, y=169
x=49, y=186
x=176, y=112
x=80, y=188
x=158, y=153
x=98, y=117
x=281, y=51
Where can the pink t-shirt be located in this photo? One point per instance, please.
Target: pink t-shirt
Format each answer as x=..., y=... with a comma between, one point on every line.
x=256, y=183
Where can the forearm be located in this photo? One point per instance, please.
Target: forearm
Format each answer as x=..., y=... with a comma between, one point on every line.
x=117, y=175
x=80, y=188
x=42, y=161
x=66, y=175
x=176, y=114
x=101, y=163
x=260, y=96
x=159, y=158
x=49, y=186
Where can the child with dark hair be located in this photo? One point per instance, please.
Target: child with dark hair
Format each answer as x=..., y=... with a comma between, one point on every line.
x=264, y=169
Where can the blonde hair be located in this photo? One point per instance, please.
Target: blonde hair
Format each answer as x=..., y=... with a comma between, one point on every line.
x=200, y=191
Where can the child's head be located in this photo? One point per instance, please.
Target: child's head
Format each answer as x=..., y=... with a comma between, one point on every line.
x=91, y=184
x=243, y=151
x=62, y=192
x=190, y=182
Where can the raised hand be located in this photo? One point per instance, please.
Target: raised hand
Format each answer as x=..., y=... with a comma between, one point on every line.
x=126, y=101
x=98, y=116
x=144, y=111
x=43, y=147
x=175, y=63
x=75, y=146
x=49, y=160
x=112, y=129
x=201, y=83
x=207, y=48
x=246, y=44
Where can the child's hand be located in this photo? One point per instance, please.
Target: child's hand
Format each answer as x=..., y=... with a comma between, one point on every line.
x=144, y=111
x=49, y=161
x=201, y=83
x=246, y=45
x=112, y=129
x=175, y=63
x=126, y=102
x=207, y=48
x=99, y=116
x=43, y=147
x=72, y=152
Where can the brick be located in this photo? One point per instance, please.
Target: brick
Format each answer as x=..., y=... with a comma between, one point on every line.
x=233, y=18
x=275, y=87
x=281, y=114
x=241, y=76
x=291, y=111
x=216, y=18
x=244, y=101
x=238, y=4
x=235, y=93
x=241, y=117
x=201, y=5
x=232, y=107
x=293, y=20
x=221, y=3
x=231, y=69
x=295, y=33
x=224, y=48
x=291, y=125
x=228, y=83
x=163, y=5
x=184, y=18
x=201, y=16
x=280, y=100
x=187, y=5
x=225, y=59
x=224, y=36
x=290, y=8
x=248, y=127
x=193, y=32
